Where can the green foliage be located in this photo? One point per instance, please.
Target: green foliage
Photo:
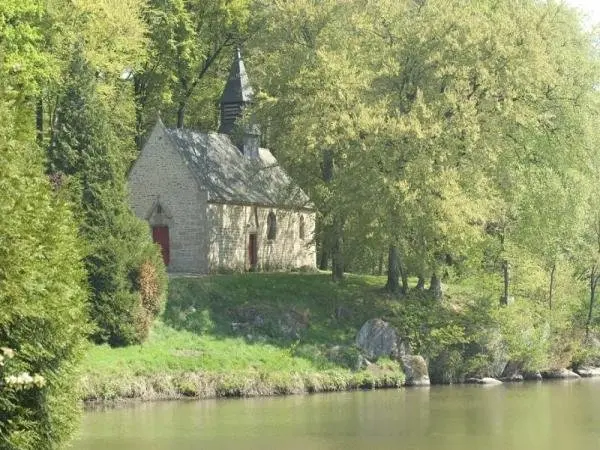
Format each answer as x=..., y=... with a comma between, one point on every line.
x=526, y=335
x=428, y=116
x=42, y=297
x=189, y=52
x=470, y=134
x=121, y=259
x=86, y=149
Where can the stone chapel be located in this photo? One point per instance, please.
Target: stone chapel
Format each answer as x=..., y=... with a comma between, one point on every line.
x=218, y=201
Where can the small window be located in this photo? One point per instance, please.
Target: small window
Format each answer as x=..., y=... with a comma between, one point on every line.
x=271, y=226
x=301, y=231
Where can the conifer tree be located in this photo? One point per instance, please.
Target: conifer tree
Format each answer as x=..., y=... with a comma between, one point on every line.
x=43, y=320
x=86, y=150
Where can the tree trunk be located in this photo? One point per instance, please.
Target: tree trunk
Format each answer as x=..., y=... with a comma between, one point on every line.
x=324, y=260
x=404, y=277
x=593, y=284
x=421, y=283
x=506, y=278
x=380, y=265
x=551, y=290
x=181, y=114
x=337, y=232
x=393, y=271
x=505, y=274
x=435, y=286
x=39, y=121
x=337, y=257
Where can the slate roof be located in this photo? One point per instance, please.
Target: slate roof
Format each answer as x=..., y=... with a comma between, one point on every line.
x=231, y=177
x=237, y=89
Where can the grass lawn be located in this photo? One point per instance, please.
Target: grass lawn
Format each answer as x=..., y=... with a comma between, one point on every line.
x=248, y=334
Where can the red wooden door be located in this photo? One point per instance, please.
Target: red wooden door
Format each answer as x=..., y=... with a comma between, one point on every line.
x=252, y=250
x=160, y=235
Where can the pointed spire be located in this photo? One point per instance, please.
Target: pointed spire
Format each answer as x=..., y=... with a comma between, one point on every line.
x=236, y=95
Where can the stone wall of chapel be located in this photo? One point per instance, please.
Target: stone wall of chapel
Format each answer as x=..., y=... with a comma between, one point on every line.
x=160, y=174
x=231, y=225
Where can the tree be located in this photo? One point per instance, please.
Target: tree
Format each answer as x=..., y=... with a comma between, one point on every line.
x=307, y=67
x=189, y=49
x=86, y=150
x=42, y=295
x=42, y=298
x=479, y=138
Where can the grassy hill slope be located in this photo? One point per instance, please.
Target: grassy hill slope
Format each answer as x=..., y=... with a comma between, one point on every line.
x=248, y=334
x=278, y=333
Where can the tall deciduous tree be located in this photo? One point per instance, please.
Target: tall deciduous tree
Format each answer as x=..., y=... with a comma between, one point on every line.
x=189, y=50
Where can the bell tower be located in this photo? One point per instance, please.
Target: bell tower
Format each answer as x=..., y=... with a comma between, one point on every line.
x=237, y=95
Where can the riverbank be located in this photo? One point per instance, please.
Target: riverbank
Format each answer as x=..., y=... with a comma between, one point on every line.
x=246, y=335
x=177, y=364
x=274, y=334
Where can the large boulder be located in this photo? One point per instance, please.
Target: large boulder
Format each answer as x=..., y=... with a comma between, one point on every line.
x=559, y=374
x=415, y=370
x=488, y=381
x=377, y=338
x=588, y=372
x=535, y=375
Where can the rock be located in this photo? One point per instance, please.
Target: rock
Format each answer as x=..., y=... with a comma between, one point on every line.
x=559, y=374
x=485, y=380
x=532, y=376
x=512, y=369
x=588, y=372
x=515, y=378
x=415, y=370
x=490, y=381
x=377, y=338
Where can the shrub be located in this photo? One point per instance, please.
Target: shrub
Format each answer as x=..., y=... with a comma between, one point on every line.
x=128, y=282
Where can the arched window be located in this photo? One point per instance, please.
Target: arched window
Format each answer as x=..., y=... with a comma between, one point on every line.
x=302, y=231
x=271, y=226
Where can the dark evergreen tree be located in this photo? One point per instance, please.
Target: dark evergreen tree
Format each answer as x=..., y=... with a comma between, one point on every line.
x=120, y=256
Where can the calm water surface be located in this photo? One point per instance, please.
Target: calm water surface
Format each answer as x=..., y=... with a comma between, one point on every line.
x=532, y=416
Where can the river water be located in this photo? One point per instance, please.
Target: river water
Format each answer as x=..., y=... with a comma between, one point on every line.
x=532, y=416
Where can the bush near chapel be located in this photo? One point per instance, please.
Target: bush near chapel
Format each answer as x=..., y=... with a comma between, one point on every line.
x=128, y=282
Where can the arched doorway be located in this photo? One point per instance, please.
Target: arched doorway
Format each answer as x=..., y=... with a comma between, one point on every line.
x=160, y=235
x=159, y=220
